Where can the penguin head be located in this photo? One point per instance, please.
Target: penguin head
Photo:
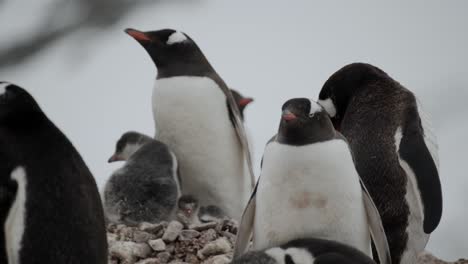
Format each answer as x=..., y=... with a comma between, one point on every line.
x=303, y=121
x=169, y=48
x=241, y=101
x=17, y=107
x=188, y=205
x=338, y=90
x=128, y=144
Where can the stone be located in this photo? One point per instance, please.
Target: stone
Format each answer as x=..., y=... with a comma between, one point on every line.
x=172, y=231
x=164, y=257
x=203, y=226
x=149, y=261
x=220, y=259
x=209, y=235
x=217, y=247
x=142, y=236
x=129, y=251
x=151, y=228
x=187, y=235
x=157, y=245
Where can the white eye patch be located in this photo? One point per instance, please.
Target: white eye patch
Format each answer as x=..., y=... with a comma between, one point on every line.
x=329, y=106
x=314, y=108
x=3, y=87
x=176, y=37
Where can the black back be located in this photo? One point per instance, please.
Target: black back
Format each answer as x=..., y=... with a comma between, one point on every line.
x=64, y=220
x=371, y=106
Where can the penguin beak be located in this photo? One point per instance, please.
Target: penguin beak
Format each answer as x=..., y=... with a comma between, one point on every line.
x=114, y=158
x=288, y=115
x=138, y=35
x=245, y=101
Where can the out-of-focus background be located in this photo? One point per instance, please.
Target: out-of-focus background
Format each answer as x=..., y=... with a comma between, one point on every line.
x=95, y=82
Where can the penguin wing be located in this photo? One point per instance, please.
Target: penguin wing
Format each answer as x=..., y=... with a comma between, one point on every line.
x=376, y=227
x=241, y=134
x=419, y=150
x=246, y=225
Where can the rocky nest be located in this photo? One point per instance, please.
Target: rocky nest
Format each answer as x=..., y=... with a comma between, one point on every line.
x=206, y=243
x=176, y=243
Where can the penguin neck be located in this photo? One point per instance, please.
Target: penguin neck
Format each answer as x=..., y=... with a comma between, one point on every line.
x=304, y=136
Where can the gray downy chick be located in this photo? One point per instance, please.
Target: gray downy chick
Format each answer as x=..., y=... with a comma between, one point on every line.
x=190, y=212
x=146, y=188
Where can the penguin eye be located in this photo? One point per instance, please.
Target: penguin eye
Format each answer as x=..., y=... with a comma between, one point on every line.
x=311, y=115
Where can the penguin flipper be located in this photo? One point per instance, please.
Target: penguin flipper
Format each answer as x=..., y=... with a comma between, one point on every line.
x=245, y=231
x=376, y=227
x=241, y=134
x=415, y=152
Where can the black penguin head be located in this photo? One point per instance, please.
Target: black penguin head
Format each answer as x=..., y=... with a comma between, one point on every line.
x=343, y=85
x=128, y=144
x=173, y=52
x=241, y=101
x=188, y=204
x=17, y=107
x=303, y=121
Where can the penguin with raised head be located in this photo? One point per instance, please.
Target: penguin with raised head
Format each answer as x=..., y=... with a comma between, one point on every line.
x=50, y=211
x=191, y=116
x=306, y=251
x=309, y=187
x=146, y=188
x=242, y=103
x=395, y=152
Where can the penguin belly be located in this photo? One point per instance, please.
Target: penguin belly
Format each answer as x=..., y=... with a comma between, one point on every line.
x=310, y=191
x=192, y=118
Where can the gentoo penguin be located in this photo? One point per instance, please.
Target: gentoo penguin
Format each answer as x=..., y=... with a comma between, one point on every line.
x=191, y=116
x=242, y=103
x=189, y=211
x=51, y=211
x=306, y=251
x=146, y=188
x=309, y=187
x=395, y=152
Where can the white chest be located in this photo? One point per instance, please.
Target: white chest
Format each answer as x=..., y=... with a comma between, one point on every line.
x=309, y=191
x=192, y=117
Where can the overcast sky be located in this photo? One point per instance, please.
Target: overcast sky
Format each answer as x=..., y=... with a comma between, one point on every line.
x=96, y=89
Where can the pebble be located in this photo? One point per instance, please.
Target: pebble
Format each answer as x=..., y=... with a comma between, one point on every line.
x=203, y=226
x=172, y=231
x=157, y=245
x=149, y=261
x=142, y=236
x=187, y=235
x=217, y=247
x=129, y=251
x=151, y=228
x=164, y=257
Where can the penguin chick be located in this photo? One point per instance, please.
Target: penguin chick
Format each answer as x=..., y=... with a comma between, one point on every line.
x=146, y=188
x=188, y=209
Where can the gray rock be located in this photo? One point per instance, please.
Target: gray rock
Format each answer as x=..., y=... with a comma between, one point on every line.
x=128, y=251
x=187, y=235
x=149, y=261
x=151, y=228
x=142, y=236
x=220, y=259
x=164, y=257
x=209, y=235
x=157, y=245
x=217, y=247
x=203, y=226
x=172, y=231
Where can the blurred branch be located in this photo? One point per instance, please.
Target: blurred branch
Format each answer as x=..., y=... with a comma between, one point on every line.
x=98, y=14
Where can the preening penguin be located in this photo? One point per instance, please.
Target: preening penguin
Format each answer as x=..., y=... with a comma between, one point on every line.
x=146, y=188
x=191, y=116
x=50, y=211
x=306, y=251
x=308, y=175
x=395, y=152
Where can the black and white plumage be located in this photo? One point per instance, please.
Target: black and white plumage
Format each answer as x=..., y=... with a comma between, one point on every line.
x=50, y=209
x=395, y=152
x=146, y=188
x=306, y=251
x=309, y=187
x=191, y=116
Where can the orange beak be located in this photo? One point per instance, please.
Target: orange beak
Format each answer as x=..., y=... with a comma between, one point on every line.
x=137, y=35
